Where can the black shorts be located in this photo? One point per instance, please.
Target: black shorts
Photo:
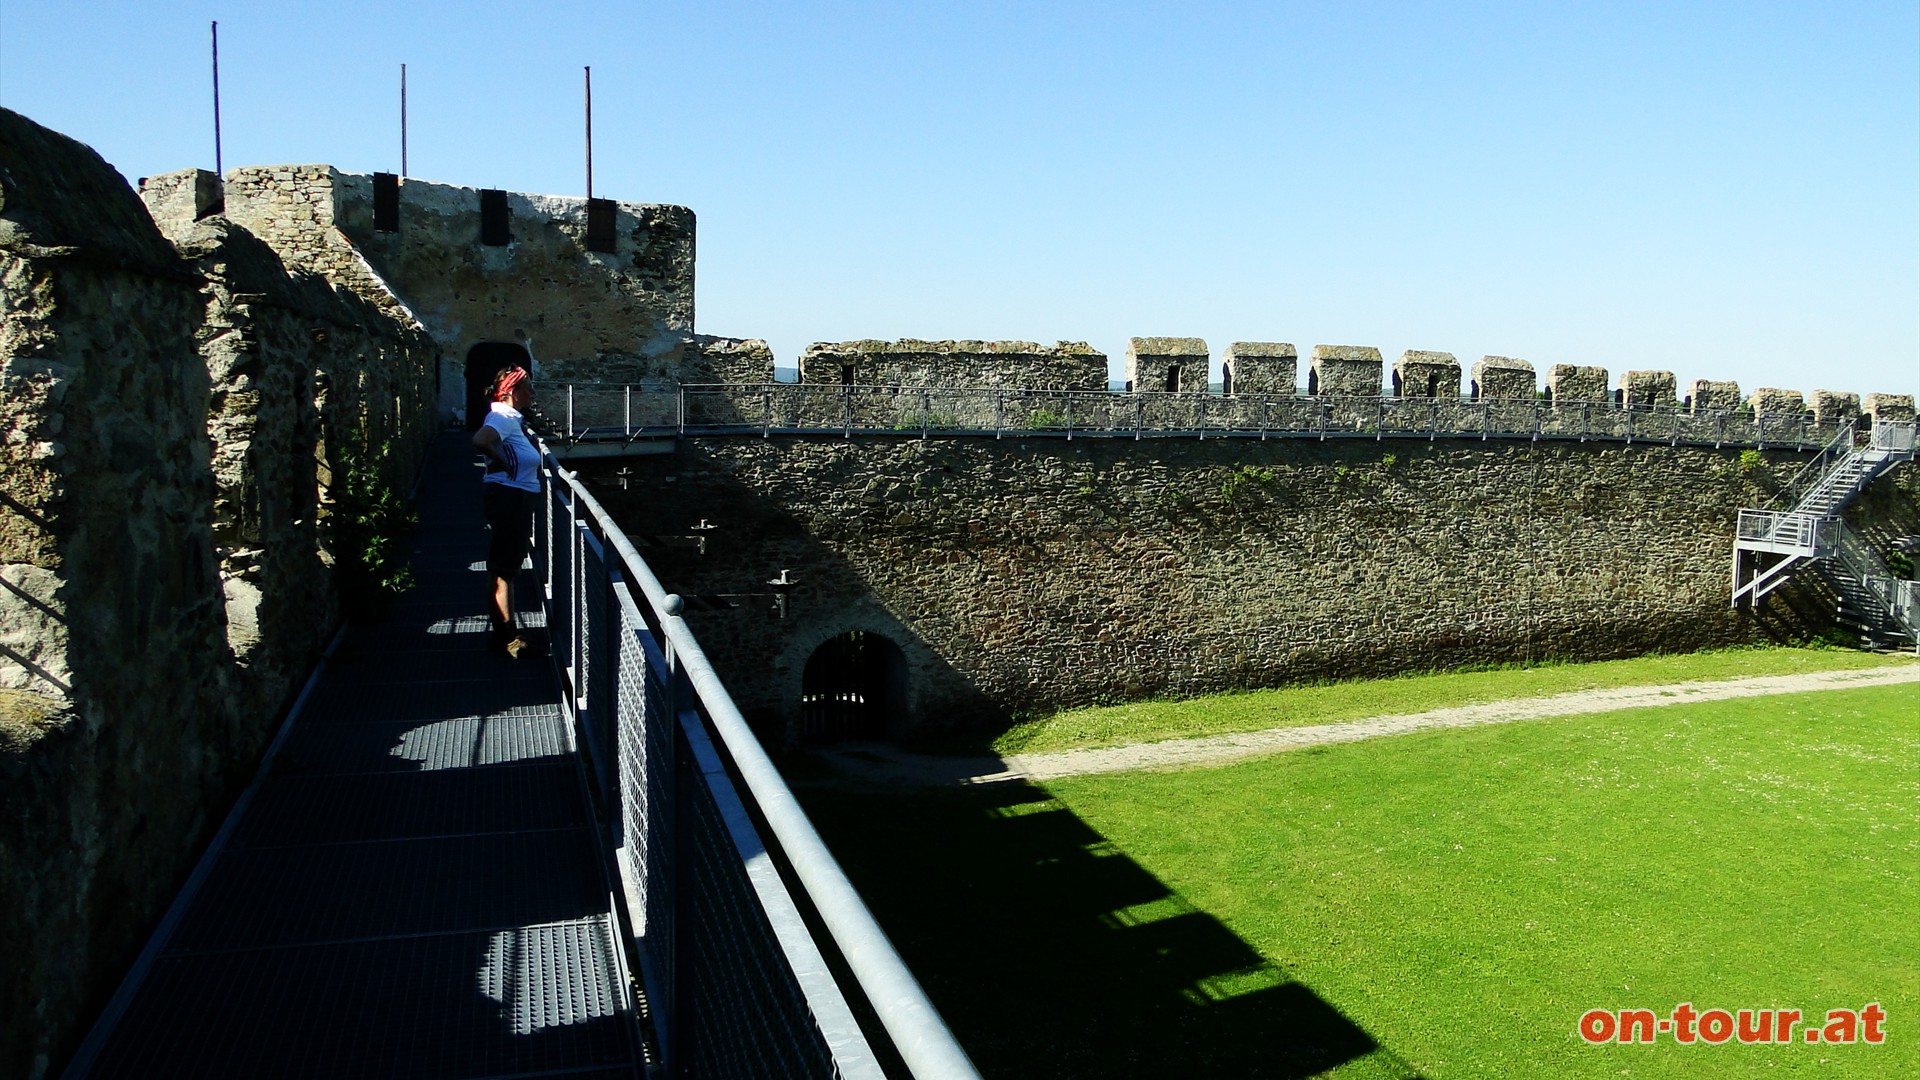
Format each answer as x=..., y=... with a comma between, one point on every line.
x=510, y=518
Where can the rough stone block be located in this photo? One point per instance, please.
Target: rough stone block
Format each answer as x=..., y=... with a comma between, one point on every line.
x=1167, y=364
x=1064, y=365
x=182, y=197
x=1889, y=406
x=1831, y=406
x=1649, y=388
x=1573, y=384
x=1710, y=395
x=1260, y=367
x=730, y=360
x=1770, y=401
x=1503, y=377
x=1345, y=371
x=1426, y=374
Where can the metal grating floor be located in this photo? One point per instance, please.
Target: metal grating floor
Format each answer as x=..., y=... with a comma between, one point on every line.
x=413, y=888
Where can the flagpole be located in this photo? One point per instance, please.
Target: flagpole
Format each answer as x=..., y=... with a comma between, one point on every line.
x=218, y=165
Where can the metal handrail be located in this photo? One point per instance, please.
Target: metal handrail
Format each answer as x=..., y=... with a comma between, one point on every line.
x=1898, y=436
x=1807, y=480
x=1782, y=529
x=915, y=1028
x=1868, y=568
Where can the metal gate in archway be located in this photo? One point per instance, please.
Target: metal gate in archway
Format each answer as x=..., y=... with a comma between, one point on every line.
x=853, y=689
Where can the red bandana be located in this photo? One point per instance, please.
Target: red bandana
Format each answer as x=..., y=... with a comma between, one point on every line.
x=508, y=381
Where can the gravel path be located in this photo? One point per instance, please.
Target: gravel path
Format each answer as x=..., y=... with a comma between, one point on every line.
x=891, y=767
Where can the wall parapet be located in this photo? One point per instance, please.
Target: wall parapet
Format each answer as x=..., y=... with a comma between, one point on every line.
x=622, y=413
x=1064, y=365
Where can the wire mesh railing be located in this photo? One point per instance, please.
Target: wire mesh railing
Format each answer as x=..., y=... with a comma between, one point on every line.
x=1898, y=436
x=607, y=411
x=1781, y=531
x=739, y=916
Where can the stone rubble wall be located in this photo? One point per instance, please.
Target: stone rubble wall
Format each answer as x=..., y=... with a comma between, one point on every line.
x=117, y=733
x=175, y=400
x=386, y=377
x=1022, y=577
x=300, y=369
x=730, y=360
x=1065, y=365
x=624, y=316
x=1256, y=367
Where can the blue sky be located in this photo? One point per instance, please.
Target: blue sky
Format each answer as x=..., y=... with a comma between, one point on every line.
x=1719, y=190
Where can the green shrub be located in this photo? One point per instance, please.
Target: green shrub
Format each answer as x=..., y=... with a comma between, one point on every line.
x=1244, y=478
x=372, y=532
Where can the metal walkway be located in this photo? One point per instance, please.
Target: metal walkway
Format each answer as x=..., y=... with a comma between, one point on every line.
x=413, y=888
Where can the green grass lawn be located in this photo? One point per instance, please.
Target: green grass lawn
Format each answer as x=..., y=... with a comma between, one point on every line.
x=1461, y=897
x=1301, y=705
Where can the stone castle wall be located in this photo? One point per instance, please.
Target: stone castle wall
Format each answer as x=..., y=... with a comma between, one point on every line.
x=173, y=410
x=300, y=367
x=1158, y=365
x=623, y=315
x=112, y=762
x=1024, y=577
x=1065, y=365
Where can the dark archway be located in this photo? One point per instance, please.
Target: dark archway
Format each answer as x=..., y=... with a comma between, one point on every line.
x=854, y=688
x=484, y=361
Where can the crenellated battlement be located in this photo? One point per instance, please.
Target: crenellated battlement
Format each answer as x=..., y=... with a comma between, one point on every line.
x=1161, y=365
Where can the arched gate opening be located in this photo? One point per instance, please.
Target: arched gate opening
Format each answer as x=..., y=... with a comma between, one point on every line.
x=854, y=688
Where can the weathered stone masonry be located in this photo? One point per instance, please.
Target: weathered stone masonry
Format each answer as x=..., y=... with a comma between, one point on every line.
x=116, y=731
x=1028, y=576
x=621, y=316
x=172, y=419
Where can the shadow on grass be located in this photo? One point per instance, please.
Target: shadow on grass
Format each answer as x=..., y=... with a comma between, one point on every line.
x=1052, y=954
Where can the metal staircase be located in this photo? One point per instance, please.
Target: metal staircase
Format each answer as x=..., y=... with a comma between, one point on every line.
x=1771, y=545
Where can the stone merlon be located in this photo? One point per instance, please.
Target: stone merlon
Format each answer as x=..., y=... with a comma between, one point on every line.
x=1345, y=371
x=1166, y=364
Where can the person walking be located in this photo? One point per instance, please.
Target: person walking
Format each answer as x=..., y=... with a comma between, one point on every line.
x=509, y=493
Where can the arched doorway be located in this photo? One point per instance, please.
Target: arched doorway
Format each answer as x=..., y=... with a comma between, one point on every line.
x=484, y=361
x=854, y=688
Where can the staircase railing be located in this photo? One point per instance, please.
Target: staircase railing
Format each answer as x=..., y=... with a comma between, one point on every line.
x=1785, y=532
x=1807, y=480
x=1876, y=581
x=1898, y=436
x=1809, y=528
